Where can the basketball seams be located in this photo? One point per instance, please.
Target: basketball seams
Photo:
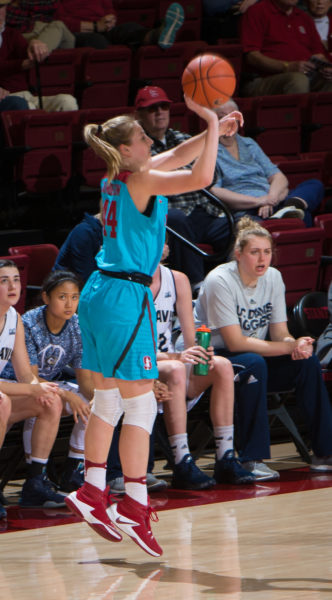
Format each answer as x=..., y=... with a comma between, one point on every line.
x=201, y=79
x=209, y=80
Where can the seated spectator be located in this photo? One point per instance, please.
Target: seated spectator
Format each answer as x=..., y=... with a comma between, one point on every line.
x=17, y=57
x=171, y=293
x=27, y=397
x=53, y=341
x=320, y=11
x=221, y=18
x=34, y=19
x=192, y=215
x=324, y=342
x=281, y=43
x=77, y=253
x=249, y=183
x=94, y=24
x=243, y=302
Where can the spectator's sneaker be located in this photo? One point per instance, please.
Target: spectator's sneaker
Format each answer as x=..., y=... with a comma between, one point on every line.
x=38, y=492
x=187, y=476
x=90, y=503
x=133, y=518
x=3, y=512
x=297, y=202
x=72, y=479
x=228, y=469
x=261, y=471
x=173, y=20
x=322, y=463
x=288, y=212
x=154, y=484
x=116, y=485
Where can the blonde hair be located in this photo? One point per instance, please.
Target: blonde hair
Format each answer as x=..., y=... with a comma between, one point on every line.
x=105, y=140
x=247, y=227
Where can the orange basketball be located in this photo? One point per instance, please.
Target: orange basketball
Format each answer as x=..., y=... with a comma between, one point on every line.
x=209, y=80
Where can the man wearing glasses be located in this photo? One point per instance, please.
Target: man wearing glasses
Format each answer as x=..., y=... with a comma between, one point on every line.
x=189, y=214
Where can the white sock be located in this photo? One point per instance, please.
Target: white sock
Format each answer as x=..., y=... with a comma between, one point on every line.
x=95, y=474
x=136, y=489
x=179, y=446
x=224, y=439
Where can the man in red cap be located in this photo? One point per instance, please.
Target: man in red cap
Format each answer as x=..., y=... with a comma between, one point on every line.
x=192, y=215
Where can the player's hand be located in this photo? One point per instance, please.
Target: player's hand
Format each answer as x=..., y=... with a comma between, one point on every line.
x=45, y=387
x=47, y=399
x=38, y=50
x=208, y=114
x=229, y=124
x=197, y=354
x=303, y=348
x=161, y=391
x=78, y=406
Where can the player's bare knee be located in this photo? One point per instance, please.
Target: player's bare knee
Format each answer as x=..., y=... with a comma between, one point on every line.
x=52, y=411
x=175, y=373
x=5, y=407
x=223, y=368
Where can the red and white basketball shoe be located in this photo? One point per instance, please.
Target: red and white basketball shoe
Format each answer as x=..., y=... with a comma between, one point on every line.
x=90, y=503
x=133, y=518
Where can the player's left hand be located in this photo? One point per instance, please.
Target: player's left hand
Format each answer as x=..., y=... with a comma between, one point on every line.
x=229, y=124
x=303, y=348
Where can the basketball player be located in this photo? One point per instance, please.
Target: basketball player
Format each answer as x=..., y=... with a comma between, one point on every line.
x=28, y=397
x=116, y=311
x=171, y=290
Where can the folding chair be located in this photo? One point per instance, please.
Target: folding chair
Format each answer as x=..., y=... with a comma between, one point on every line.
x=312, y=317
x=298, y=255
x=317, y=127
x=163, y=68
x=41, y=260
x=56, y=75
x=105, y=77
x=143, y=12
x=277, y=124
x=324, y=221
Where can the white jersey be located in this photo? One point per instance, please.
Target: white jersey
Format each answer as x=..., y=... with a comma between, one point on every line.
x=7, y=337
x=164, y=304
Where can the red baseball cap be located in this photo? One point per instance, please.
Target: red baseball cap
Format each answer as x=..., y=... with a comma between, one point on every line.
x=150, y=94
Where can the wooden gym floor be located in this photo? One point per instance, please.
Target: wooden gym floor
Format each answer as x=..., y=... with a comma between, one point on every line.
x=271, y=541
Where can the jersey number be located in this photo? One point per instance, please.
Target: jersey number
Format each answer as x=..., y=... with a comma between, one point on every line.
x=110, y=214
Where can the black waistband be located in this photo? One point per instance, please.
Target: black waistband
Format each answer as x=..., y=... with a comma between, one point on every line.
x=134, y=276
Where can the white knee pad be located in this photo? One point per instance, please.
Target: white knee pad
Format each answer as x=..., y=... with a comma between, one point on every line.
x=140, y=411
x=107, y=405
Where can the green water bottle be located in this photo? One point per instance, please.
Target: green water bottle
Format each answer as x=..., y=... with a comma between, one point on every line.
x=203, y=338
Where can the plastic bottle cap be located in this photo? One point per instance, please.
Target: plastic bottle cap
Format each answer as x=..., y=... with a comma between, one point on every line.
x=203, y=328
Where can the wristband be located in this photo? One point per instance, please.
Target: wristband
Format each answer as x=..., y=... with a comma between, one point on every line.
x=285, y=65
x=95, y=27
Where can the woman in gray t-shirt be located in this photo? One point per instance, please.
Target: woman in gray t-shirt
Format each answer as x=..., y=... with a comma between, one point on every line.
x=244, y=303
